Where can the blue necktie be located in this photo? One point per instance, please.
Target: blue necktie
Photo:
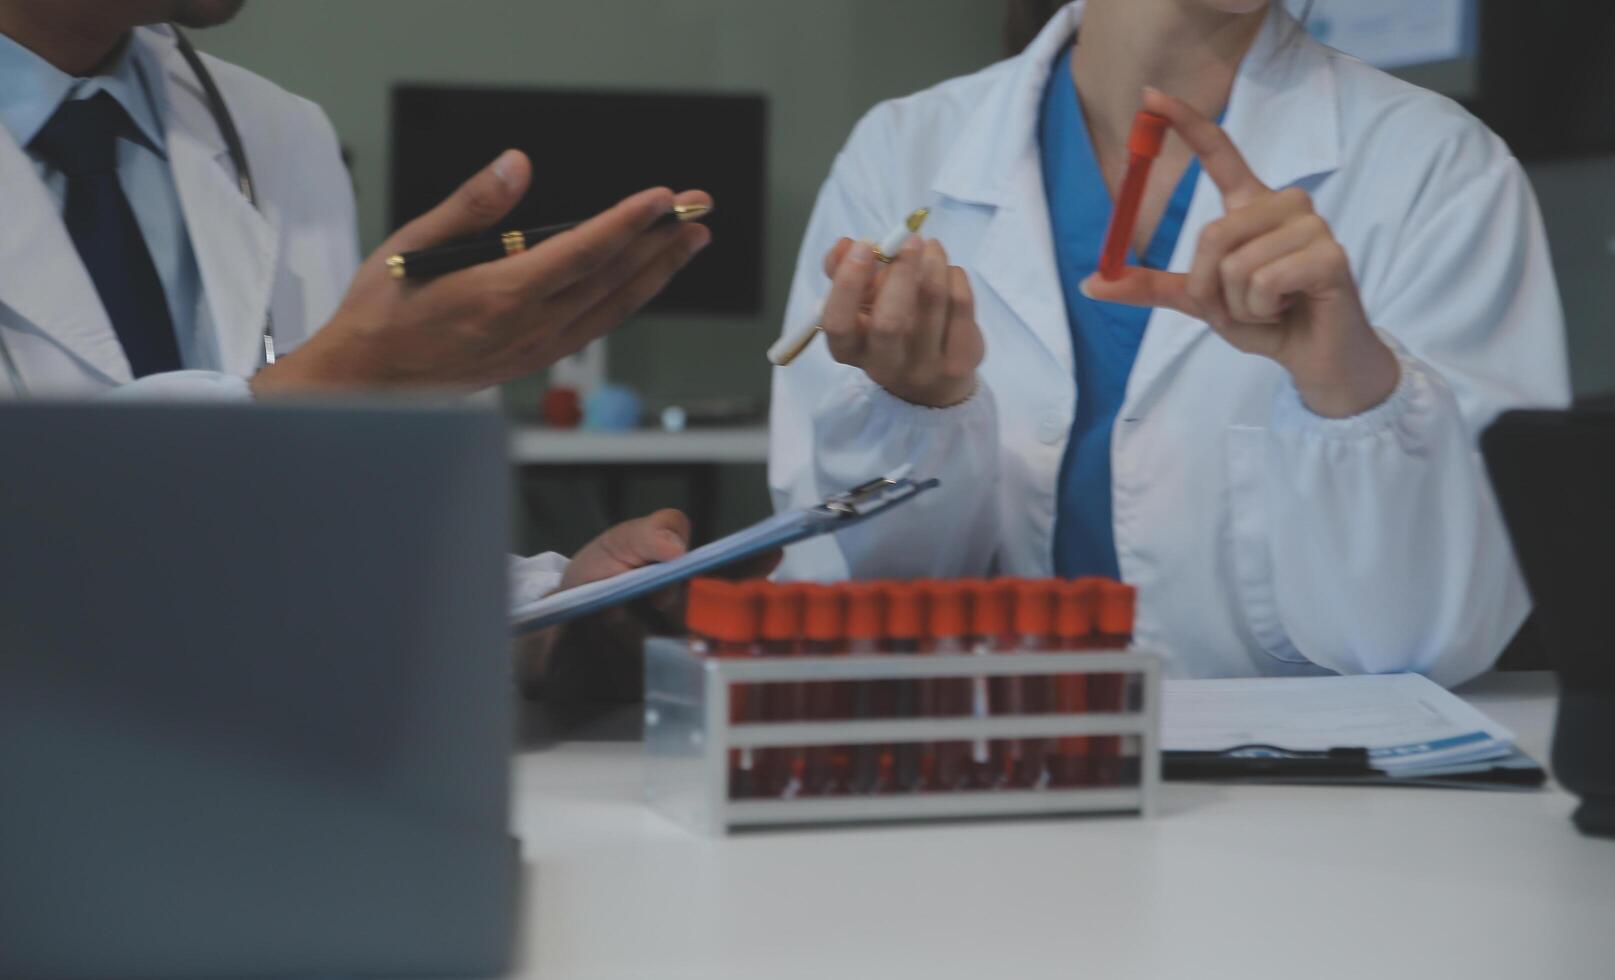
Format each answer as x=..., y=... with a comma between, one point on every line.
x=81, y=140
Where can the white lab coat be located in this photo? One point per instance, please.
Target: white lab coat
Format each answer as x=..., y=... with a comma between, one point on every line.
x=1263, y=539
x=293, y=257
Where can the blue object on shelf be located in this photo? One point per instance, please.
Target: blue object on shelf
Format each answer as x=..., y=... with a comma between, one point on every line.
x=612, y=408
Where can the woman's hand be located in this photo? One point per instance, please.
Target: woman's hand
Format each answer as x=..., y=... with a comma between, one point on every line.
x=1270, y=278
x=910, y=326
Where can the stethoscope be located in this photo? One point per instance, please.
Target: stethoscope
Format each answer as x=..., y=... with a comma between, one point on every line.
x=237, y=151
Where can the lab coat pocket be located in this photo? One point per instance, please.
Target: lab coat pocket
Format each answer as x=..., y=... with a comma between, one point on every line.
x=1250, y=548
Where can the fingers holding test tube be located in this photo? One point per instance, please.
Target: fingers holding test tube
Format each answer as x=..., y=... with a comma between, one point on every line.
x=1270, y=277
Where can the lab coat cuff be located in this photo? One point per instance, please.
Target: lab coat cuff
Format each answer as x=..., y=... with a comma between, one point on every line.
x=1404, y=411
x=918, y=416
x=531, y=579
x=185, y=386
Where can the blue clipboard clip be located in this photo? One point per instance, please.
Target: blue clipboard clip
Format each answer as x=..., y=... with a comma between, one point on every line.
x=875, y=496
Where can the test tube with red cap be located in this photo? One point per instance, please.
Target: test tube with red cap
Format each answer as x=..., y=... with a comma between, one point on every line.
x=1121, y=692
x=947, y=625
x=781, y=769
x=905, y=625
x=991, y=624
x=865, y=624
x=723, y=621
x=1034, y=623
x=1074, y=620
x=824, y=633
x=1143, y=146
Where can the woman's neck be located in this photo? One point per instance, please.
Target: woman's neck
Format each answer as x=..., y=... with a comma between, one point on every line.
x=1182, y=47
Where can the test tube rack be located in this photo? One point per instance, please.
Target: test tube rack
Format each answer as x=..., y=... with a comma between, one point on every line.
x=689, y=736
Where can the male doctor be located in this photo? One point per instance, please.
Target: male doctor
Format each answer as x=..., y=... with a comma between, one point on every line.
x=131, y=259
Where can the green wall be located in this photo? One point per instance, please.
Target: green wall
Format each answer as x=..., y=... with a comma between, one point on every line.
x=822, y=64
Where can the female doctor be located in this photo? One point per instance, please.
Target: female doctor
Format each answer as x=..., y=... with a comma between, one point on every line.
x=1268, y=425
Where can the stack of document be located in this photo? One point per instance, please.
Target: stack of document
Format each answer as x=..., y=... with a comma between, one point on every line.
x=1410, y=727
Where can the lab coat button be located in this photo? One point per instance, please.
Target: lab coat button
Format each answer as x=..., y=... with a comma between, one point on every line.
x=1051, y=429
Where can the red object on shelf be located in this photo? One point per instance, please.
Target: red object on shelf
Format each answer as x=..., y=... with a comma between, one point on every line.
x=562, y=408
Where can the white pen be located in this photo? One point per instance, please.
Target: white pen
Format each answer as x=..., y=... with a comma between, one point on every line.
x=789, y=348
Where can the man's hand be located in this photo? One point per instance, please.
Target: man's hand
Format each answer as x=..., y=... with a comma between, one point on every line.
x=598, y=656
x=661, y=537
x=497, y=321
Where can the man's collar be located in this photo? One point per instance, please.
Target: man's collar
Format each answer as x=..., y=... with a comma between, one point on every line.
x=33, y=89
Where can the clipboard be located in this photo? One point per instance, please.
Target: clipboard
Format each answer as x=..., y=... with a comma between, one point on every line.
x=1342, y=767
x=837, y=513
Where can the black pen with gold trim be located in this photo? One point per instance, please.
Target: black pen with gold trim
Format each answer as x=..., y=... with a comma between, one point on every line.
x=444, y=259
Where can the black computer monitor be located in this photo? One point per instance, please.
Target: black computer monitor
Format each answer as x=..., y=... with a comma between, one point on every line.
x=592, y=148
x=1547, y=81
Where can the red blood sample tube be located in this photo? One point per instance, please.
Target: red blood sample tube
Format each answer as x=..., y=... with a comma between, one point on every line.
x=905, y=624
x=865, y=625
x=991, y=624
x=947, y=625
x=1143, y=146
x=1116, y=609
x=823, y=630
x=1104, y=750
x=723, y=620
x=1034, y=624
x=1074, y=616
x=781, y=769
x=1123, y=692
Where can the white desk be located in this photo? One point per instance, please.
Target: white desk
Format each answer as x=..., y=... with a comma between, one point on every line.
x=1297, y=883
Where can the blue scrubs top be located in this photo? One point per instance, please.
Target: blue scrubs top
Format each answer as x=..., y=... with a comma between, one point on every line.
x=1105, y=337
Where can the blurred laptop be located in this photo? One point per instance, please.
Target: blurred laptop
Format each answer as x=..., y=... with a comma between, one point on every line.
x=255, y=699
x=1554, y=472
